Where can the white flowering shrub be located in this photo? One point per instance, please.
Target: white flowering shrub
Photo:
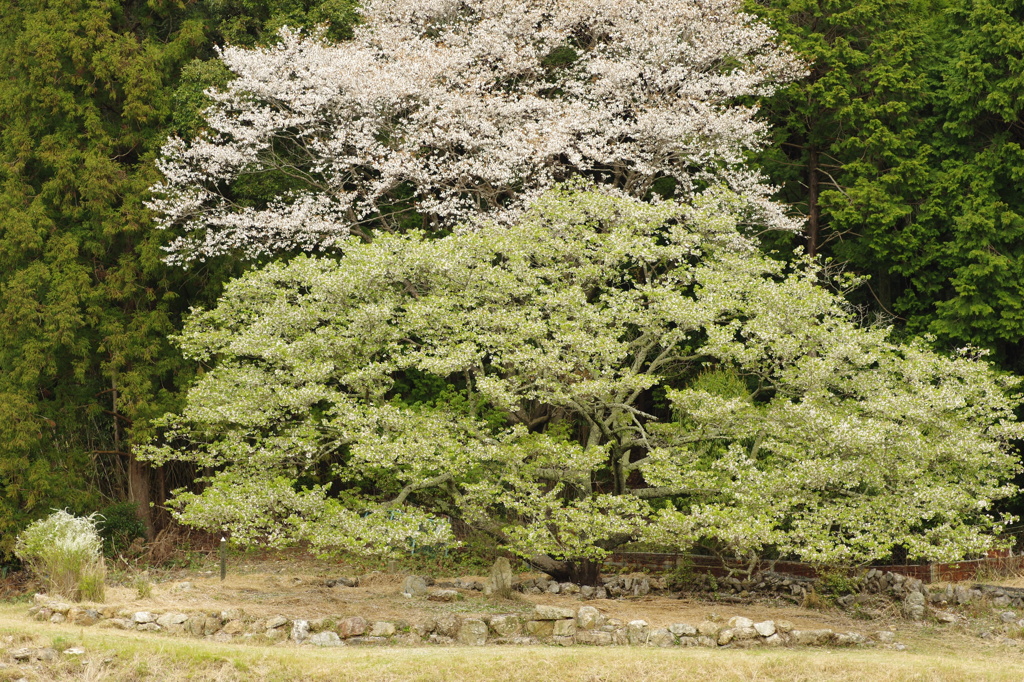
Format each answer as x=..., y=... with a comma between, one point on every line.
x=66, y=553
x=613, y=370
x=439, y=110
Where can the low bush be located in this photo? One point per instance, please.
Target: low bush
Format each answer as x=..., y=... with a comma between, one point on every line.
x=836, y=581
x=119, y=526
x=143, y=588
x=66, y=553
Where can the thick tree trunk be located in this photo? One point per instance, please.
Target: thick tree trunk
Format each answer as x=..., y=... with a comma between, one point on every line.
x=138, y=483
x=585, y=572
x=138, y=476
x=559, y=570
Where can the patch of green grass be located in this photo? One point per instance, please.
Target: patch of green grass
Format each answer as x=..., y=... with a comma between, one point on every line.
x=62, y=642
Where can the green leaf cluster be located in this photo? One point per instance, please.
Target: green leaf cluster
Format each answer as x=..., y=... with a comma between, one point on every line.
x=535, y=349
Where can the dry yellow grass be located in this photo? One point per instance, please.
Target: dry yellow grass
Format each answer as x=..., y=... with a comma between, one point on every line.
x=118, y=656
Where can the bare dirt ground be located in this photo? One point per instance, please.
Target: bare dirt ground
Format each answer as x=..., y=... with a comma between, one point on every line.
x=296, y=587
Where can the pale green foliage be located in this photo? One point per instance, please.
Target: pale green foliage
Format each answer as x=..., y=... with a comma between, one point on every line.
x=143, y=588
x=787, y=427
x=66, y=553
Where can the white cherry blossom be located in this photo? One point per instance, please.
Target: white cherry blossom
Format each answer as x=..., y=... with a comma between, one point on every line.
x=452, y=109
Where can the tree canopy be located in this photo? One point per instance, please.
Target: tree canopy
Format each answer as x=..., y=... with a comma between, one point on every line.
x=608, y=370
x=438, y=111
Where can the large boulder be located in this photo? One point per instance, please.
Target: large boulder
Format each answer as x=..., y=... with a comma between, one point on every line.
x=326, y=638
x=708, y=628
x=300, y=630
x=444, y=595
x=637, y=632
x=594, y=637
x=87, y=617
x=540, y=628
x=682, y=630
x=563, y=628
x=546, y=612
x=170, y=619
x=472, y=632
x=914, y=606
x=588, y=617
x=506, y=625
x=353, y=626
x=812, y=637
x=740, y=622
x=382, y=628
x=447, y=625
x=233, y=627
x=661, y=637
x=276, y=622
x=414, y=586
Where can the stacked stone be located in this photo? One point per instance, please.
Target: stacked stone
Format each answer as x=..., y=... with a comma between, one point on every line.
x=916, y=596
x=545, y=624
x=765, y=583
x=892, y=584
x=632, y=585
x=543, y=585
x=611, y=587
x=912, y=593
x=960, y=595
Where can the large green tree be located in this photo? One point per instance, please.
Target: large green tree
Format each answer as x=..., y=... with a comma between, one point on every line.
x=612, y=370
x=568, y=409
x=965, y=279
x=903, y=149
x=88, y=93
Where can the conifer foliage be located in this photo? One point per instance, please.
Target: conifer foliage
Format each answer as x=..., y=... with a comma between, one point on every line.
x=88, y=92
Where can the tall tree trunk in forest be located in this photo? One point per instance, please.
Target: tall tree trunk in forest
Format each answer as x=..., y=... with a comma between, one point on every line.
x=161, y=518
x=138, y=475
x=138, y=483
x=813, y=209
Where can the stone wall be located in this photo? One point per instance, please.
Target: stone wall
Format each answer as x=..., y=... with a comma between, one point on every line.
x=875, y=594
x=654, y=562
x=959, y=571
x=546, y=624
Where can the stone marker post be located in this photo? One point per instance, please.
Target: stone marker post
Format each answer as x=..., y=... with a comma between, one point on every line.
x=500, y=581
